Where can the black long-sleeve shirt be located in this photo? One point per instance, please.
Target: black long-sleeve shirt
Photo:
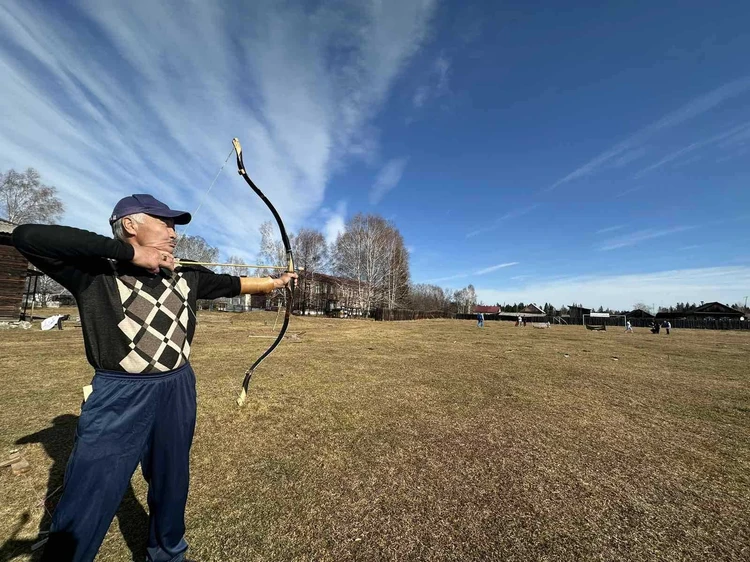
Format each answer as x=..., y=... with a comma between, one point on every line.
x=132, y=320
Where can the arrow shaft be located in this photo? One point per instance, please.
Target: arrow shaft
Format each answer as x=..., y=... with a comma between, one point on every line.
x=256, y=266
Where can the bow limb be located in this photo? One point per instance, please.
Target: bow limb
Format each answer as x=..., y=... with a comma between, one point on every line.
x=290, y=268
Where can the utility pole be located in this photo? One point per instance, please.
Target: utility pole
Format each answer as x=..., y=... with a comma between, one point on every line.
x=745, y=302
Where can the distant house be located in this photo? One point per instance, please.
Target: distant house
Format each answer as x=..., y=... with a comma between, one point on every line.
x=577, y=312
x=532, y=309
x=638, y=313
x=484, y=309
x=708, y=311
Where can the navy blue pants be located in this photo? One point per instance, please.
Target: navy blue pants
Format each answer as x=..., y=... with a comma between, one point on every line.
x=128, y=419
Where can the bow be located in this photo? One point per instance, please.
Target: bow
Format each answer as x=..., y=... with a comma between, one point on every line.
x=290, y=268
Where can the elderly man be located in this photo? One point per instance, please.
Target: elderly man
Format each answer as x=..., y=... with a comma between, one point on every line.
x=138, y=323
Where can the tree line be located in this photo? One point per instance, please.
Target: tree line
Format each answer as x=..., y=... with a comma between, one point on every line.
x=369, y=257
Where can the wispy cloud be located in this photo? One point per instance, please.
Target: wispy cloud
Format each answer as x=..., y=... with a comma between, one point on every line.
x=688, y=111
x=739, y=130
x=496, y=223
x=640, y=236
x=436, y=83
x=387, y=179
x=723, y=284
x=483, y=271
x=495, y=267
x=335, y=221
x=629, y=191
x=107, y=102
x=610, y=229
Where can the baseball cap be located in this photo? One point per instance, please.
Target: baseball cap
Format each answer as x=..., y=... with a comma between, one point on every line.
x=144, y=203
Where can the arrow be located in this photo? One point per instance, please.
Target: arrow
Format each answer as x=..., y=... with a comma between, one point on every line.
x=178, y=261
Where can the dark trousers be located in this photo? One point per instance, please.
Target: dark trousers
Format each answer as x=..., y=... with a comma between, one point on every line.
x=128, y=419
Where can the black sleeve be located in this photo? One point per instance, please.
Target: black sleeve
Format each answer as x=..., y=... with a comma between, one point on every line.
x=214, y=285
x=68, y=255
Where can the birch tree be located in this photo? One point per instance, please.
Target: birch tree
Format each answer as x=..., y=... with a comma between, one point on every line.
x=25, y=199
x=371, y=253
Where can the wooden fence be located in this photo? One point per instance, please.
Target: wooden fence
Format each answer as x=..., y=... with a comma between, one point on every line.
x=614, y=322
x=385, y=314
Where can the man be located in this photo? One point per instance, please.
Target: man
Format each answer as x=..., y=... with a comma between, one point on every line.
x=138, y=321
x=480, y=320
x=628, y=327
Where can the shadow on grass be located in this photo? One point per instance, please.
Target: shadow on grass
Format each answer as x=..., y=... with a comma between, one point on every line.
x=57, y=441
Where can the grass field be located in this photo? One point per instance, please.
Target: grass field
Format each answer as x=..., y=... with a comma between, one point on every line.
x=430, y=440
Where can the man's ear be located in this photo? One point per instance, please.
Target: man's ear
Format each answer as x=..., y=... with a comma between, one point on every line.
x=129, y=226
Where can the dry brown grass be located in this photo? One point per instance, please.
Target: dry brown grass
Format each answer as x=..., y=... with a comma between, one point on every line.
x=430, y=440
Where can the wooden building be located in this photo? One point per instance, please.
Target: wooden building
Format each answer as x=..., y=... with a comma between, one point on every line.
x=13, y=267
x=487, y=310
x=709, y=312
x=533, y=309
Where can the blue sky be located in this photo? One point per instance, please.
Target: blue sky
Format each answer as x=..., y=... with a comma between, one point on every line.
x=598, y=154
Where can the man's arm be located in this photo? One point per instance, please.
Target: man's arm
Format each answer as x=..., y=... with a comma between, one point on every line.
x=65, y=253
x=255, y=285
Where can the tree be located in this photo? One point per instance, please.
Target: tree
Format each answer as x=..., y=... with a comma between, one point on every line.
x=234, y=270
x=272, y=251
x=195, y=248
x=371, y=252
x=24, y=199
x=429, y=298
x=465, y=299
x=311, y=255
x=642, y=306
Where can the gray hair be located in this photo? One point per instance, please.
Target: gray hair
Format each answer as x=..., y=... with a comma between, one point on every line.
x=117, y=229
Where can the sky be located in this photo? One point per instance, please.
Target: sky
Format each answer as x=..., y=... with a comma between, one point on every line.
x=597, y=154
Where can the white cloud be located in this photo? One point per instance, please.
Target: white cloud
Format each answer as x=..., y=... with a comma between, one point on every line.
x=335, y=222
x=495, y=267
x=723, y=284
x=483, y=271
x=728, y=136
x=387, y=179
x=640, y=236
x=436, y=83
x=145, y=96
x=688, y=111
x=501, y=219
x=610, y=229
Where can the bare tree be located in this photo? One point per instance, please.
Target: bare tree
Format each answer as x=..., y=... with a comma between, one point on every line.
x=311, y=255
x=272, y=251
x=195, y=248
x=371, y=252
x=25, y=199
x=465, y=299
x=642, y=306
x=429, y=298
x=235, y=270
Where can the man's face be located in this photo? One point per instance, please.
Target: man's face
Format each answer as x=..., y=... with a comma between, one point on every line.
x=155, y=232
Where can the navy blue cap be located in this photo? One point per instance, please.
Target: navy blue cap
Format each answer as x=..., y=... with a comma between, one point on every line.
x=144, y=203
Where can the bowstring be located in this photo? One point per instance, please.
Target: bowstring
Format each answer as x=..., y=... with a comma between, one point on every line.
x=204, y=197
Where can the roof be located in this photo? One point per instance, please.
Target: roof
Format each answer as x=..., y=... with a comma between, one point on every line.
x=484, y=309
x=639, y=313
x=717, y=308
x=708, y=310
x=532, y=309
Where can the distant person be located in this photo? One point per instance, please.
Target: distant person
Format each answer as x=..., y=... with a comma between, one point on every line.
x=480, y=320
x=628, y=327
x=668, y=326
x=137, y=317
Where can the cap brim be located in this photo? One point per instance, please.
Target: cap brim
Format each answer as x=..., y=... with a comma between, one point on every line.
x=180, y=217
